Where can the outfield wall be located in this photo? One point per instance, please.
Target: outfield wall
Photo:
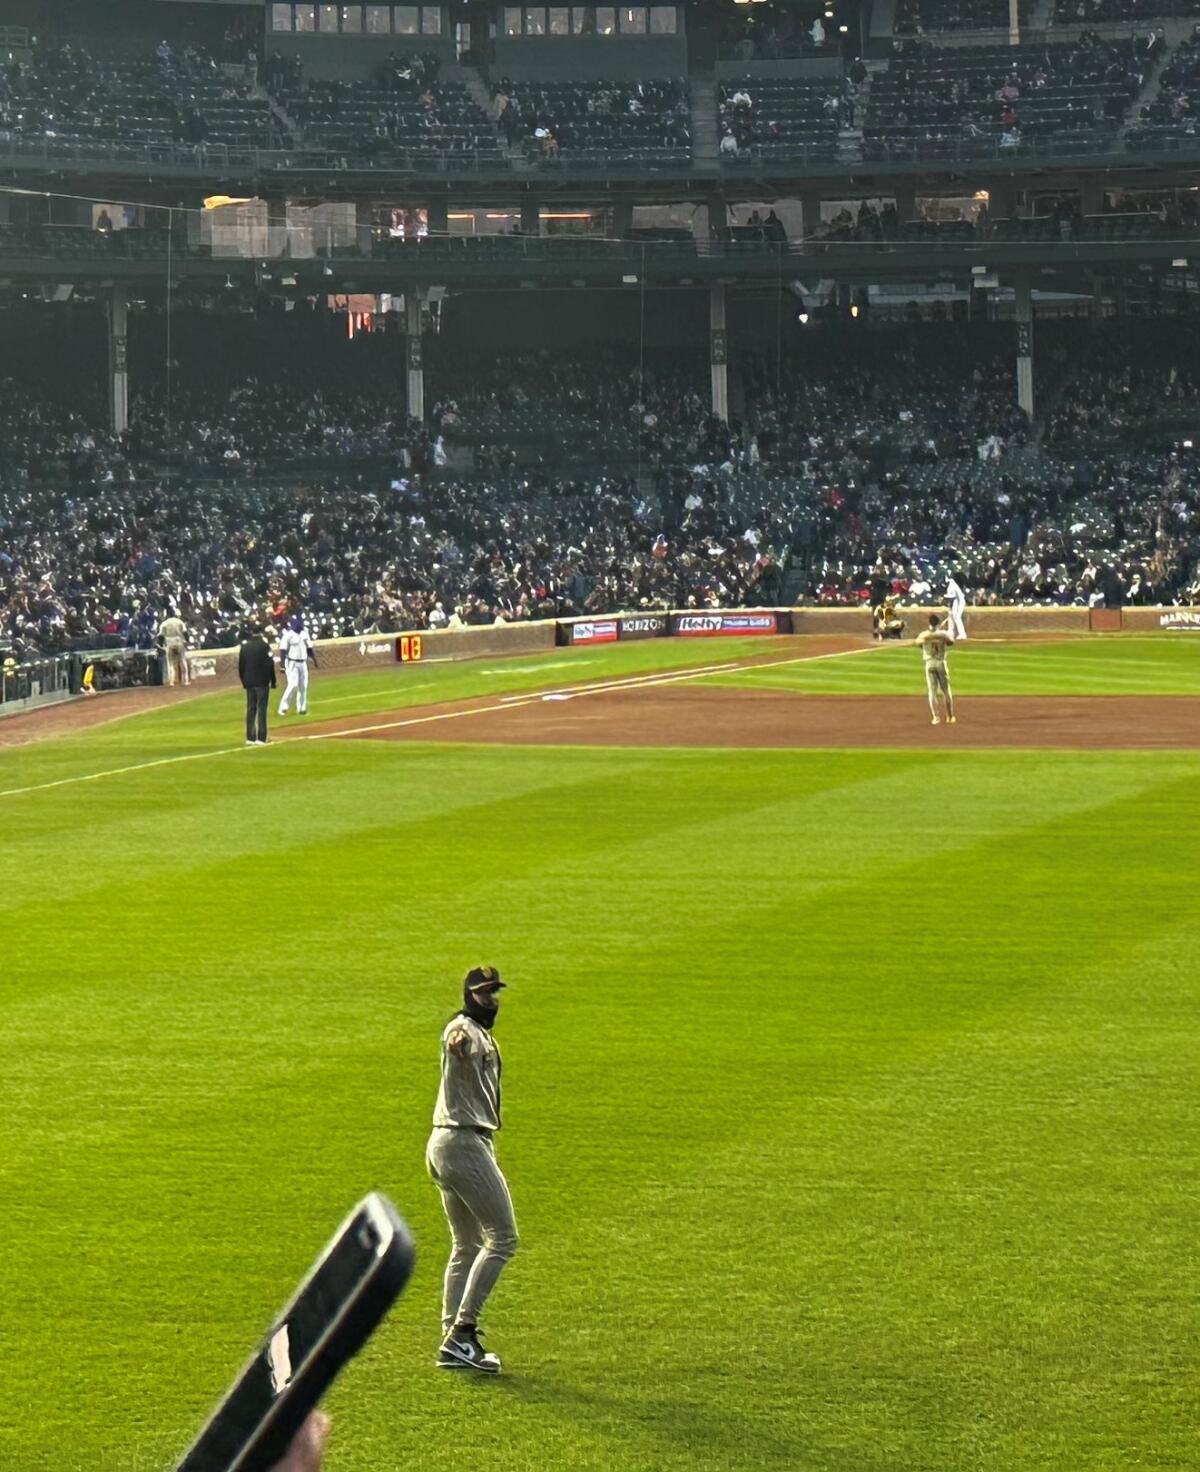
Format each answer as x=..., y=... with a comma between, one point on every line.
x=218, y=667
x=1010, y=622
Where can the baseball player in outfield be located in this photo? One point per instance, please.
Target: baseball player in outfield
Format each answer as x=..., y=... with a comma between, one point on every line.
x=295, y=650
x=957, y=600
x=462, y=1161
x=933, y=644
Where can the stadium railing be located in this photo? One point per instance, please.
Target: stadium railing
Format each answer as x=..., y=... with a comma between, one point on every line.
x=811, y=160
x=33, y=682
x=486, y=256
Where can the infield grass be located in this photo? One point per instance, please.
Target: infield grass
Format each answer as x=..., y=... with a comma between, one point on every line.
x=850, y=1097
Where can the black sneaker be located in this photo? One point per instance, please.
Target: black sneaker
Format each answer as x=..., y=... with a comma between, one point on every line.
x=461, y=1350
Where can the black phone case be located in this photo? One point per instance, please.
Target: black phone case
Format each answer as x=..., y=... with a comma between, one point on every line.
x=269, y=1442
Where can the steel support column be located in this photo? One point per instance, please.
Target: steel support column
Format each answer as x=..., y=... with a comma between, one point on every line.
x=718, y=345
x=414, y=301
x=118, y=359
x=1023, y=292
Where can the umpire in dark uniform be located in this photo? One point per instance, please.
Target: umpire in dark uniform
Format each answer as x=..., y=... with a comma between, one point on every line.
x=256, y=670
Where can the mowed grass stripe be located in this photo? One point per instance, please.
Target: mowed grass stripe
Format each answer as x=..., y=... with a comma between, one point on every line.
x=203, y=727
x=1168, y=665
x=639, y=998
x=211, y=721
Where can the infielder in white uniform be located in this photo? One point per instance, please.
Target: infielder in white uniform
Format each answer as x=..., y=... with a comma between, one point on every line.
x=295, y=650
x=957, y=600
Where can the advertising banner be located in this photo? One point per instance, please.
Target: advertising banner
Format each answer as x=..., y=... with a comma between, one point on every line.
x=708, y=625
x=1180, y=620
x=598, y=631
x=645, y=626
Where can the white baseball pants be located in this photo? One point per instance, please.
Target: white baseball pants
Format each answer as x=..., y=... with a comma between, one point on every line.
x=297, y=685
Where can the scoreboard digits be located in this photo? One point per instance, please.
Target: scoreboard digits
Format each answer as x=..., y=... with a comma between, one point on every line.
x=410, y=648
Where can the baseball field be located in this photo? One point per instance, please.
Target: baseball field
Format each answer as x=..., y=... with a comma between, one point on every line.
x=852, y=1066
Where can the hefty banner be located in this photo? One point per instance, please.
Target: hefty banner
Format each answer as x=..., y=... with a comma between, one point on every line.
x=645, y=626
x=707, y=625
x=599, y=631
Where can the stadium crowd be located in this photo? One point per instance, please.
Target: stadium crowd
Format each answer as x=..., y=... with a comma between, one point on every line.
x=1129, y=384
x=195, y=98
x=182, y=96
x=830, y=483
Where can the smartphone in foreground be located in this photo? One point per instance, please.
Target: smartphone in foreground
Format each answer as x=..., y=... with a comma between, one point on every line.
x=335, y=1310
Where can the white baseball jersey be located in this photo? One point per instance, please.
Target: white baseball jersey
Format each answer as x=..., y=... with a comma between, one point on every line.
x=295, y=645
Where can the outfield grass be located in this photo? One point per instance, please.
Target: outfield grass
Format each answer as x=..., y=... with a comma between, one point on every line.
x=1122, y=665
x=850, y=1101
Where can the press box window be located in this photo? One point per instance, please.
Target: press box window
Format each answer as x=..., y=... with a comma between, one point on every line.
x=535, y=20
x=431, y=20
x=306, y=18
x=408, y=20
x=663, y=20
x=512, y=20
x=327, y=17
x=606, y=20
x=379, y=20
x=633, y=20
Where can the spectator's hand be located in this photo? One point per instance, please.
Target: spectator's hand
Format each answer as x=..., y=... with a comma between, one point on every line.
x=304, y=1454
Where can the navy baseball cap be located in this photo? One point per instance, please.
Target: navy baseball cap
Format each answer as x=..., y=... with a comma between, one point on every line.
x=483, y=979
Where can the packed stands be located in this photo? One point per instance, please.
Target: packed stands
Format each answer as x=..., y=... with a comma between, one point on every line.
x=773, y=117
x=286, y=396
x=595, y=407
x=1005, y=97
x=868, y=402
x=894, y=452
x=1132, y=384
x=588, y=479
x=639, y=122
x=369, y=558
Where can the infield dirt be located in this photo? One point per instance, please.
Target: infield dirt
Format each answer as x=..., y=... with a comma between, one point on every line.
x=695, y=716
